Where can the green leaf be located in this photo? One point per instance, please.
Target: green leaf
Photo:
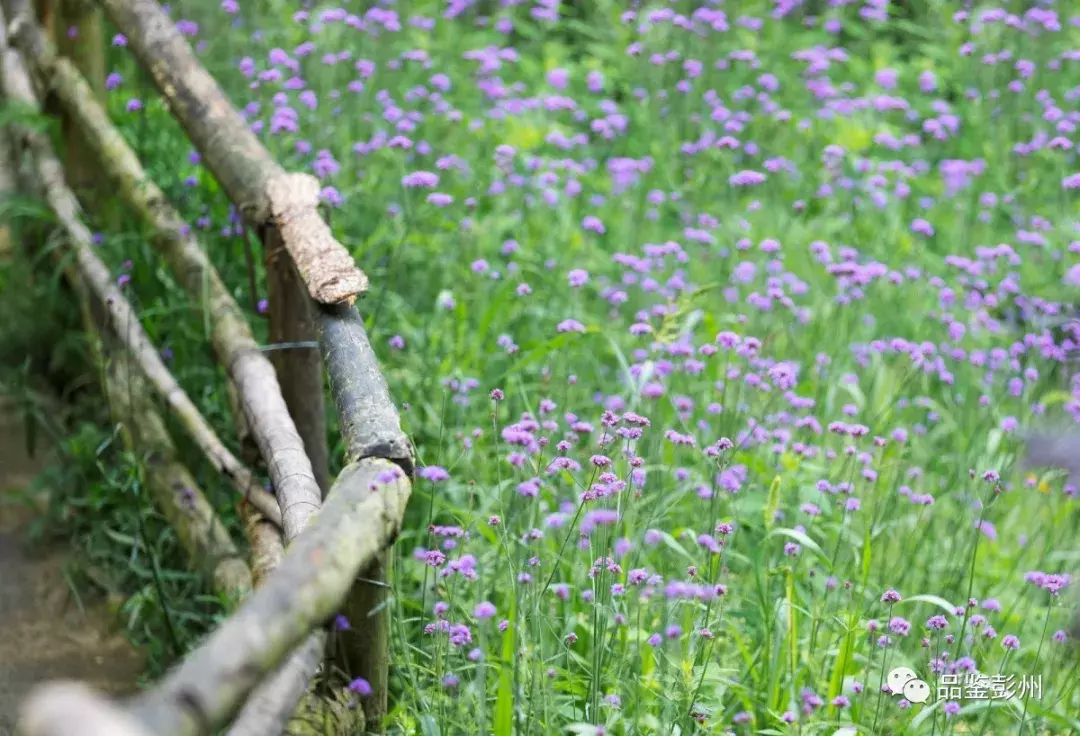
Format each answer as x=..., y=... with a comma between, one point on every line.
x=866, y=556
x=926, y=713
x=843, y=659
x=429, y=726
x=23, y=115
x=1056, y=397
x=804, y=540
x=673, y=543
x=940, y=602
x=504, y=700
x=773, y=503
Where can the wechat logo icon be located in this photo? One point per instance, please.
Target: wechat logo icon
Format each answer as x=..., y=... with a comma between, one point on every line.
x=903, y=681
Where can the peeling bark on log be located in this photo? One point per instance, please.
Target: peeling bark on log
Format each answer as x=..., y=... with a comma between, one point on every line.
x=66, y=708
x=266, y=194
x=293, y=200
x=362, y=516
x=299, y=369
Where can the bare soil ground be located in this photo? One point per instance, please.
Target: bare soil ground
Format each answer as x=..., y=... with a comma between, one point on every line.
x=47, y=632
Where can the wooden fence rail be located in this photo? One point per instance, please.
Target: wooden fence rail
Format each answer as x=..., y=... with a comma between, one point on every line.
x=254, y=668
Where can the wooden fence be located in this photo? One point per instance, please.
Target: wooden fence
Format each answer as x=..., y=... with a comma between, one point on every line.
x=316, y=548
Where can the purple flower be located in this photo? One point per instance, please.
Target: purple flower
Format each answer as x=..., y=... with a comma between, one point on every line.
x=557, y=78
x=746, y=178
x=593, y=223
x=1054, y=583
x=937, y=622
x=578, y=277
x=420, y=179
x=434, y=473
x=986, y=528
x=899, y=626
x=1009, y=641
x=1072, y=276
x=922, y=227
x=361, y=687
x=484, y=610
x=134, y=105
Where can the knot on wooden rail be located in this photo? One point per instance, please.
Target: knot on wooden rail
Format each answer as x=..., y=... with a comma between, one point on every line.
x=325, y=266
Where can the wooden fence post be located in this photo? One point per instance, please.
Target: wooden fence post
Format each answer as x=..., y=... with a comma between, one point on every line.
x=299, y=367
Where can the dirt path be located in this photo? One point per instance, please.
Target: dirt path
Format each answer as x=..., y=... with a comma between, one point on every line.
x=44, y=632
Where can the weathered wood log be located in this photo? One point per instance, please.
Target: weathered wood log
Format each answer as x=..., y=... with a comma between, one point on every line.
x=124, y=321
x=361, y=517
x=269, y=707
x=67, y=708
x=368, y=420
x=371, y=428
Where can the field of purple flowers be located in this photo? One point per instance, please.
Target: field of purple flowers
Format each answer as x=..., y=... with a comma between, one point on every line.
x=716, y=327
